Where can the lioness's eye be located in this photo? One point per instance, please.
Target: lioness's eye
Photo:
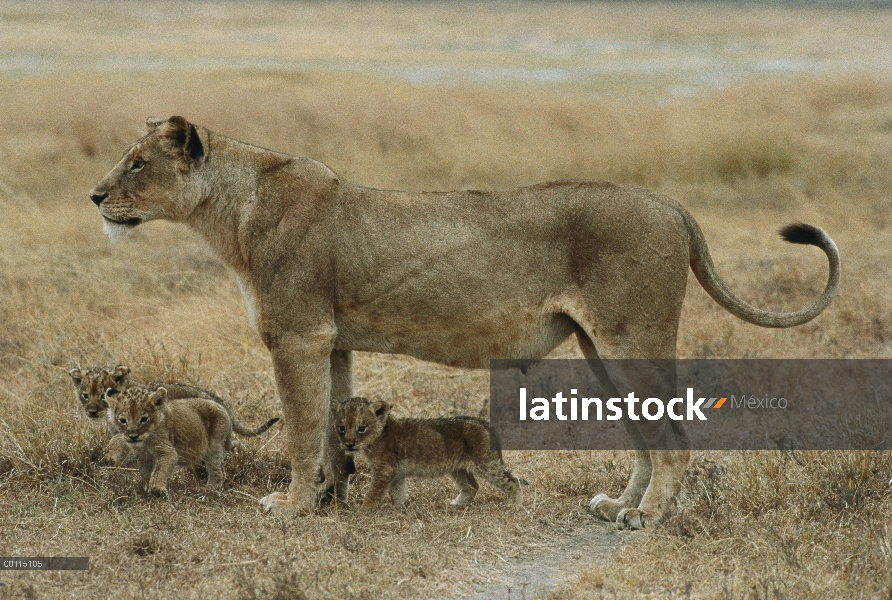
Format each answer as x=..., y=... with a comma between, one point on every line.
x=143, y=419
x=360, y=429
x=137, y=165
x=342, y=429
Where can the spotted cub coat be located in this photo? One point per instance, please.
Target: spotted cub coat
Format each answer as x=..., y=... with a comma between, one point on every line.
x=398, y=449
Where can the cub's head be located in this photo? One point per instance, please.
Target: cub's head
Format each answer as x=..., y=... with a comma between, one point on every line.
x=153, y=179
x=359, y=421
x=91, y=384
x=136, y=412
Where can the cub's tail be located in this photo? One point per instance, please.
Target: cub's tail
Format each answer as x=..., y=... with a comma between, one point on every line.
x=181, y=390
x=239, y=427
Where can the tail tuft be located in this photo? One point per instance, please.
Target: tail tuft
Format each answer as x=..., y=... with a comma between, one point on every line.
x=802, y=233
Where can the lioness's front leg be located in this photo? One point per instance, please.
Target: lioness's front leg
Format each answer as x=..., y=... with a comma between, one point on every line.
x=303, y=377
x=334, y=460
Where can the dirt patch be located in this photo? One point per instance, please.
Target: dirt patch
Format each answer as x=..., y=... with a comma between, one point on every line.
x=541, y=571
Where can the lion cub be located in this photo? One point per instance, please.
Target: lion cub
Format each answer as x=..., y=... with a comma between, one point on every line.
x=166, y=433
x=400, y=448
x=90, y=386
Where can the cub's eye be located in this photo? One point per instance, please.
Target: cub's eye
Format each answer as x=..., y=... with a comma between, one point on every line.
x=85, y=396
x=342, y=429
x=122, y=421
x=143, y=419
x=137, y=165
x=360, y=429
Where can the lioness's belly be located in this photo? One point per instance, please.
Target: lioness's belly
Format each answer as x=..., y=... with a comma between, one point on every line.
x=465, y=340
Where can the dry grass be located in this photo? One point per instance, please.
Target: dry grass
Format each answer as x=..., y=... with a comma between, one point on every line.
x=744, y=159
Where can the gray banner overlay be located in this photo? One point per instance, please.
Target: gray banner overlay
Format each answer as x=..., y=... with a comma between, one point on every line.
x=717, y=404
x=44, y=563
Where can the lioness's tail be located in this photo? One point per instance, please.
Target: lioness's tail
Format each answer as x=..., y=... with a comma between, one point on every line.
x=181, y=390
x=797, y=233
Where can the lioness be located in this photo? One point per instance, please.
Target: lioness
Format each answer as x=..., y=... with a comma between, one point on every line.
x=91, y=385
x=327, y=267
x=167, y=433
x=398, y=449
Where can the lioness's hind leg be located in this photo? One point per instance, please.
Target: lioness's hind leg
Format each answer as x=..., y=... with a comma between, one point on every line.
x=608, y=508
x=636, y=333
x=467, y=487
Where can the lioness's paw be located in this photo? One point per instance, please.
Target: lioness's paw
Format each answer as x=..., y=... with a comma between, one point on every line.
x=290, y=503
x=605, y=507
x=633, y=518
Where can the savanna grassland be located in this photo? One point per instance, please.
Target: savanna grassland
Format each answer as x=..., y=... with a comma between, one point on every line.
x=751, y=117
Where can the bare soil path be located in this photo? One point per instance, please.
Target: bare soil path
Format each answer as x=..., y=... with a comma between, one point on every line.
x=541, y=571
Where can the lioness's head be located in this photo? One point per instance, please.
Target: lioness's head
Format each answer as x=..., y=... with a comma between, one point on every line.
x=359, y=421
x=152, y=180
x=91, y=384
x=137, y=411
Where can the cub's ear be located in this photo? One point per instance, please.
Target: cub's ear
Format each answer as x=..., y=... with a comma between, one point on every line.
x=182, y=134
x=152, y=123
x=120, y=374
x=110, y=395
x=76, y=376
x=158, y=397
x=381, y=408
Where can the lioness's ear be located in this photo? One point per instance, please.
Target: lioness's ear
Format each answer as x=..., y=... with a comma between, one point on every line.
x=120, y=374
x=381, y=408
x=158, y=397
x=76, y=376
x=152, y=123
x=183, y=135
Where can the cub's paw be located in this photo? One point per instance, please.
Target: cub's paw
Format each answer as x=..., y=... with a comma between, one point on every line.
x=158, y=492
x=634, y=518
x=604, y=507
